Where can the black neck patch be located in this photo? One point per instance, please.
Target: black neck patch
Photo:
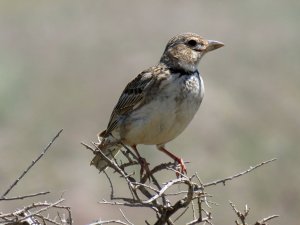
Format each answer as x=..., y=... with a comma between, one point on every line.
x=183, y=72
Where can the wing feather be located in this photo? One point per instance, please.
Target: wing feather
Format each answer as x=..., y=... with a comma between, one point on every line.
x=132, y=96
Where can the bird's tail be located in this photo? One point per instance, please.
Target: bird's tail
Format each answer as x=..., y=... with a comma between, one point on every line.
x=110, y=148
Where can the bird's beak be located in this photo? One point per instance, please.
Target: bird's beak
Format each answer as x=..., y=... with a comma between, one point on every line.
x=213, y=45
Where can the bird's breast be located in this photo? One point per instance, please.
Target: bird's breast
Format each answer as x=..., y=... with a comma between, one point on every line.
x=168, y=112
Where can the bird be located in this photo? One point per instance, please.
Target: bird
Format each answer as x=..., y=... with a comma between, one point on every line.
x=158, y=104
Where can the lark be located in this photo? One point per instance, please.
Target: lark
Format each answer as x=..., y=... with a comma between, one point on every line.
x=157, y=105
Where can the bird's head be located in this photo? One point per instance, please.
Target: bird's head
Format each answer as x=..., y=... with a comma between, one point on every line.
x=184, y=51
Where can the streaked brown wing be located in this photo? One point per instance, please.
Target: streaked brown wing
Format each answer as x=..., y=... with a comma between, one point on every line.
x=133, y=95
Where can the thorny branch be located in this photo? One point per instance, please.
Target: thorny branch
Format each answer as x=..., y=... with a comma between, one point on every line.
x=37, y=213
x=154, y=194
x=25, y=196
x=243, y=215
x=159, y=196
x=223, y=181
x=32, y=164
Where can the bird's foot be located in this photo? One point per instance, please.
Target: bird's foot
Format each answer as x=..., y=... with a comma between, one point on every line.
x=144, y=167
x=182, y=170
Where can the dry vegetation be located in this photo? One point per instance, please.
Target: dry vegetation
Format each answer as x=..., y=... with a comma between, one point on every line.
x=147, y=192
x=168, y=204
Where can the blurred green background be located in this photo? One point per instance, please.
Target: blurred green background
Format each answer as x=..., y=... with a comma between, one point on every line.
x=63, y=64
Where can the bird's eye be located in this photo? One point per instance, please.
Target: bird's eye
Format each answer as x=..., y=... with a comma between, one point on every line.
x=192, y=43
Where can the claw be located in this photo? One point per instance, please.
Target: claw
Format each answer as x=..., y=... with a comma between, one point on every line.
x=144, y=167
x=144, y=164
x=182, y=169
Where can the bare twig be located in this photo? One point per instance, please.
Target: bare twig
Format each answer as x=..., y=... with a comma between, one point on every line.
x=31, y=165
x=181, y=214
x=25, y=196
x=264, y=220
x=111, y=163
x=242, y=216
x=36, y=211
x=47, y=219
x=45, y=207
x=127, y=220
x=168, y=185
x=100, y=222
x=223, y=181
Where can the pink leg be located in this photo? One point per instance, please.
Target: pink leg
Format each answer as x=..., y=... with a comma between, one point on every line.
x=177, y=159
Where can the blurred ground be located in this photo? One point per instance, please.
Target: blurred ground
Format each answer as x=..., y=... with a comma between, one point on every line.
x=64, y=65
